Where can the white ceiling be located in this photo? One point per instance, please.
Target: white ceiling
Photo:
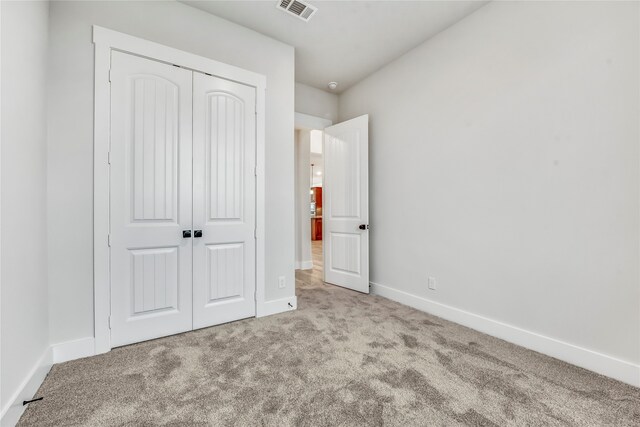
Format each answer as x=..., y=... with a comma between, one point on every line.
x=344, y=41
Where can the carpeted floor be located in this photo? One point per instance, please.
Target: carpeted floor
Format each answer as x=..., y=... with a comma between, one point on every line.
x=341, y=359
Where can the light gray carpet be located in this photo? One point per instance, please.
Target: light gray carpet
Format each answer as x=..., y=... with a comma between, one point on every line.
x=342, y=358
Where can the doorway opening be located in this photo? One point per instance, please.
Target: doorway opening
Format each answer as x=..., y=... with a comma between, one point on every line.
x=309, y=173
x=316, y=170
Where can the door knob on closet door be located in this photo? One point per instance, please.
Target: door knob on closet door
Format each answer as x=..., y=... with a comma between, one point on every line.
x=197, y=233
x=186, y=234
x=363, y=226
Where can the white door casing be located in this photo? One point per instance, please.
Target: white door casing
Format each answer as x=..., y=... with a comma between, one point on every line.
x=224, y=184
x=345, y=204
x=151, y=173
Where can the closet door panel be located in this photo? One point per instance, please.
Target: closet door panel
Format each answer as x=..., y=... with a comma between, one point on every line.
x=150, y=199
x=223, y=200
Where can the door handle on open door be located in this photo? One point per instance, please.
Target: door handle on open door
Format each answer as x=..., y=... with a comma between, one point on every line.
x=186, y=234
x=363, y=226
x=197, y=233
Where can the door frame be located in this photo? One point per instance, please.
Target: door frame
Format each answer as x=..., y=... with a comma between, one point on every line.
x=105, y=41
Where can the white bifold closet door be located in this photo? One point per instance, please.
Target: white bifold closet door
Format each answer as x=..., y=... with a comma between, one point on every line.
x=224, y=159
x=182, y=200
x=150, y=199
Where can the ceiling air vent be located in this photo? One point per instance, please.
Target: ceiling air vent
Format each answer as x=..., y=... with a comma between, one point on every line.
x=297, y=8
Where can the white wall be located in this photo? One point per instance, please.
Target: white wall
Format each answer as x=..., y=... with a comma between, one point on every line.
x=70, y=142
x=303, y=220
x=25, y=334
x=505, y=163
x=316, y=102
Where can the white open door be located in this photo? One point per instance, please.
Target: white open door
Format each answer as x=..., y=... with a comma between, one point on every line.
x=345, y=200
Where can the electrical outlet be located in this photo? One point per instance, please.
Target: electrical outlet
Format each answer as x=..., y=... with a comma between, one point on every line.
x=432, y=283
x=281, y=282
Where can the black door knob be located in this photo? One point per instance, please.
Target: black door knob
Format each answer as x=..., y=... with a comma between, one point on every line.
x=186, y=234
x=363, y=226
x=197, y=233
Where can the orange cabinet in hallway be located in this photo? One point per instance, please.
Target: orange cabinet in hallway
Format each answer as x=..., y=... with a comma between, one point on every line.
x=316, y=220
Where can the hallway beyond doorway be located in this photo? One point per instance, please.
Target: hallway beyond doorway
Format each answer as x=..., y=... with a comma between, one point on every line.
x=312, y=277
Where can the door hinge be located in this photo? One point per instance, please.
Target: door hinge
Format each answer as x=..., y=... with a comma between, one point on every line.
x=109, y=75
x=109, y=322
x=255, y=233
x=109, y=240
x=255, y=171
x=109, y=157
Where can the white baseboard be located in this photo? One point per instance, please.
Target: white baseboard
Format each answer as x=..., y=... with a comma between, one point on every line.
x=304, y=265
x=71, y=350
x=12, y=412
x=268, y=308
x=56, y=353
x=597, y=362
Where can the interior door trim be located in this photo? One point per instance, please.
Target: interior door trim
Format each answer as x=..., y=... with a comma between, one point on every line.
x=105, y=41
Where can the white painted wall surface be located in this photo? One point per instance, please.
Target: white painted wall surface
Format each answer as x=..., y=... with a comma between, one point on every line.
x=505, y=163
x=316, y=102
x=70, y=163
x=24, y=322
x=303, y=218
